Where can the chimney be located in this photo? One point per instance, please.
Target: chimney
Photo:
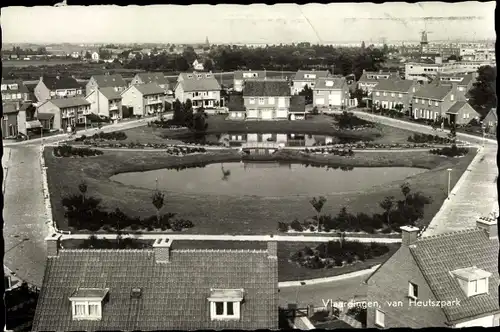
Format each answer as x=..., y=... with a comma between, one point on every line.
x=53, y=243
x=408, y=235
x=272, y=249
x=489, y=225
x=161, y=248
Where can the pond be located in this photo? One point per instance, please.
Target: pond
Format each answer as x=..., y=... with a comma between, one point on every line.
x=236, y=139
x=265, y=179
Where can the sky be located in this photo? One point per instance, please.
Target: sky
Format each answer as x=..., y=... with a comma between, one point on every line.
x=283, y=23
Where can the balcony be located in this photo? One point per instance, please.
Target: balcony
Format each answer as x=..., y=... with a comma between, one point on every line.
x=152, y=101
x=201, y=97
x=113, y=106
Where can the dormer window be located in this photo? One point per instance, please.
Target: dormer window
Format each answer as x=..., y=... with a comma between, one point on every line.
x=329, y=83
x=473, y=280
x=412, y=291
x=225, y=304
x=189, y=76
x=86, y=303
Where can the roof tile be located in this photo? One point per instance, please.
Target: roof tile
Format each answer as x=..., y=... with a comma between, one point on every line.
x=150, y=89
x=69, y=102
x=391, y=85
x=105, y=81
x=266, y=88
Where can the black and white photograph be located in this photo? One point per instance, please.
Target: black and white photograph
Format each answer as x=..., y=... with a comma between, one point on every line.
x=247, y=167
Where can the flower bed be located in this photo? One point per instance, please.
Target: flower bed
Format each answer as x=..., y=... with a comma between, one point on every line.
x=114, y=136
x=67, y=151
x=337, y=254
x=370, y=145
x=452, y=151
x=172, y=149
x=335, y=152
x=427, y=138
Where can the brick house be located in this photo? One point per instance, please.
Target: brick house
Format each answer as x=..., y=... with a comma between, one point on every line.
x=58, y=114
x=369, y=79
x=153, y=77
x=145, y=99
x=169, y=287
x=491, y=121
x=13, y=120
x=201, y=88
x=52, y=87
x=14, y=90
x=433, y=101
x=115, y=82
x=331, y=92
x=307, y=77
x=464, y=82
x=106, y=102
x=459, y=269
x=390, y=93
x=267, y=99
x=241, y=76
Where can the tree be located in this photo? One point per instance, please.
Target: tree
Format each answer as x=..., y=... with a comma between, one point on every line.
x=188, y=105
x=178, y=115
x=225, y=173
x=307, y=92
x=387, y=205
x=199, y=122
x=317, y=204
x=158, y=200
x=208, y=65
x=88, y=56
x=483, y=93
x=453, y=133
x=83, y=189
x=405, y=189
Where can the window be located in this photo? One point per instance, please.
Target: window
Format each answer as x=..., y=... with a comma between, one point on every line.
x=452, y=97
x=79, y=309
x=435, y=103
x=412, y=290
x=261, y=101
x=416, y=100
x=93, y=310
x=271, y=100
x=379, y=318
x=400, y=95
x=423, y=101
x=219, y=308
x=465, y=116
x=252, y=100
x=430, y=102
x=385, y=94
x=377, y=93
x=230, y=308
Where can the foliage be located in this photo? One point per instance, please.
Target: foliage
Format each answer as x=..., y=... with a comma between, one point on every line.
x=452, y=135
x=336, y=254
x=358, y=313
x=68, y=151
x=125, y=243
x=483, y=93
x=317, y=204
x=158, y=200
x=315, y=111
x=113, y=136
x=307, y=92
x=359, y=94
x=20, y=305
x=335, y=152
x=347, y=120
x=428, y=138
x=452, y=151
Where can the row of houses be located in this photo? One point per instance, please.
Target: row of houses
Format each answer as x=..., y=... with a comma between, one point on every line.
x=447, y=280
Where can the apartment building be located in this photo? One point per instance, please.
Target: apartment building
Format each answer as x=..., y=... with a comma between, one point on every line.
x=307, y=77
x=106, y=102
x=145, y=99
x=59, y=86
x=331, y=92
x=58, y=114
x=458, y=270
x=391, y=93
x=115, y=82
x=267, y=99
x=241, y=76
x=201, y=88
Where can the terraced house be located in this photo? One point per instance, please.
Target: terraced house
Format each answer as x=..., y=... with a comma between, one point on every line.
x=144, y=99
x=464, y=81
x=153, y=77
x=434, y=101
x=309, y=78
x=267, y=99
x=59, y=86
x=240, y=77
x=168, y=287
x=106, y=102
x=14, y=90
x=58, y=114
x=331, y=92
x=201, y=88
x=389, y=94
x=369, y=79
x=446, y=280
x=115, y=82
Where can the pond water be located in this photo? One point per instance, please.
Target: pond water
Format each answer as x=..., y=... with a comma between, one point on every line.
x=266, y=179
x=235, y=139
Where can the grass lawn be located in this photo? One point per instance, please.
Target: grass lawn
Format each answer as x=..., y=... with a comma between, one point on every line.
x=288, y=271
x=243, y=214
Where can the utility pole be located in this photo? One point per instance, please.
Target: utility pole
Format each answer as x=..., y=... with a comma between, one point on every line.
x=449, y=181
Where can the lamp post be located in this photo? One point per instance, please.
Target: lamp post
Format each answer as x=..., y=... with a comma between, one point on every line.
x=449, y=181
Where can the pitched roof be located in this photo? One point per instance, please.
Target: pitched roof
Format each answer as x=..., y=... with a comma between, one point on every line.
x=104, y=81
x=457, y=106
x=206, y=82
x=44, y=116
x=438, y=255
x=20, y=85
x=110, y=93
x=300, y=75
x=69, y=102
x=403, y=86
x=297, y=104
x=173, y=295
x=432, y=91
x=321, y=83
x=153, y=77
x=493, y=113
x=9, y=108
x=60, y=82
x=466, y=78
x=365, y=76
x=150, y=89
x=264, y=88
x=236, y=103
x=238, y=75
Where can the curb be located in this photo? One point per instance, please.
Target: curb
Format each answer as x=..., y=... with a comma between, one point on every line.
x=349, y=275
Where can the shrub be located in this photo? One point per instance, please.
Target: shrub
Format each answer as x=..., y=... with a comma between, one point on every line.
x=348, y=120
x=69, y=151
x=282, y=226
x=427, y=138
x=452, y=151
x=296, y=226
